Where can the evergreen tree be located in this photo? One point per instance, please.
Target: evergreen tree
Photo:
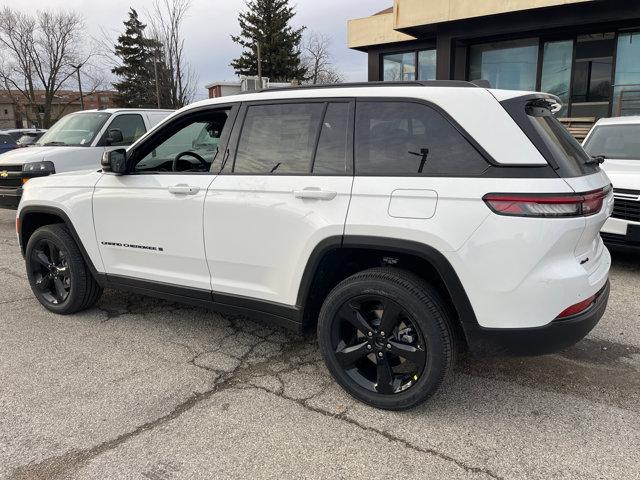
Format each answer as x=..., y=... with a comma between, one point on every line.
x=136, y=87
x=267, y=22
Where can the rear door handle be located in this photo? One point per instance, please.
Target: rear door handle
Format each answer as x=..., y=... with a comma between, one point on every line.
x=315, y=193
x=184, y=189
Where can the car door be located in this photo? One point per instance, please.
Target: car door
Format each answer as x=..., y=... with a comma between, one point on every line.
x=149, y=222
x=284, y=189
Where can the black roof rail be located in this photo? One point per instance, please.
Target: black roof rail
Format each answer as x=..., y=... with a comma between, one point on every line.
x=416, y=83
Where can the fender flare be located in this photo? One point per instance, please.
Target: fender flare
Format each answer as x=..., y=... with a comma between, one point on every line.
x=450, y=278
x=58, y=212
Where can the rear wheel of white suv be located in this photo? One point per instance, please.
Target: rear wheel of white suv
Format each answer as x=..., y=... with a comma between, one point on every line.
x=386, y=337
x=57, y=272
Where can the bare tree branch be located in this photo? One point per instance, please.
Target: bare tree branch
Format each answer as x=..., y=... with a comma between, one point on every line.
x=166, y=21
x=40, y=52
x=316, y=57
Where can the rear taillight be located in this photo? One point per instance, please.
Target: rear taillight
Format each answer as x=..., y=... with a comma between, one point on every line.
x=578, y=307
x=547, y=205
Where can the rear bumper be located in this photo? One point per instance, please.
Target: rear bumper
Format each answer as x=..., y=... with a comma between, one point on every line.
x=549, y=338
x=10, y=197
x=617, y=231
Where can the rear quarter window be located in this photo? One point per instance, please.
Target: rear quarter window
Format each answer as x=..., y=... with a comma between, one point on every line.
x=400, y=138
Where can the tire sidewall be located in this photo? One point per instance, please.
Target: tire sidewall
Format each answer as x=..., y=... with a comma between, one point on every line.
x=425, y=318
x=49, y=234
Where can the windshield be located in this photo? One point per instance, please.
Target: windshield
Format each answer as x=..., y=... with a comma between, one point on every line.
x=619, y=142
x=78, y=130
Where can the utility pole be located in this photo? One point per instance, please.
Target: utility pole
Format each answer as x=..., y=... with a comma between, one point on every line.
x=155, y=72
x=259, y=64
x=77, y=67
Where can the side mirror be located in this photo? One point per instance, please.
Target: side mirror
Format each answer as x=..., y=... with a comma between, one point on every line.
x=115, y=161
x=114, y=136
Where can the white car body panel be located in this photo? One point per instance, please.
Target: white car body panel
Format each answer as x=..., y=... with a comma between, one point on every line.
x=259, y=236
x=72, y=193
x=126, y=212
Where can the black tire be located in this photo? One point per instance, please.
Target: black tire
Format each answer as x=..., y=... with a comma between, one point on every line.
x=424, y=312
x=80, y=289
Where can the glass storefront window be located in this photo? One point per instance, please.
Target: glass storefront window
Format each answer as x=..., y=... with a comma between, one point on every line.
x=510, y=65
x=427, y=65
x=402, y=66
x=399, y=66
x=626, y=93
x=556, y=71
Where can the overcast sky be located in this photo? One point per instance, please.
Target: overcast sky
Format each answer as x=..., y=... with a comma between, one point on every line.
x=211, y=22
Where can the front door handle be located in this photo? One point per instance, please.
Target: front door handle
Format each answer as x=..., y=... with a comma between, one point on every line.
x=184, y=189
x=315, y=194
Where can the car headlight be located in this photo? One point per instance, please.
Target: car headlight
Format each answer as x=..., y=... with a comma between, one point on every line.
x=36, y=169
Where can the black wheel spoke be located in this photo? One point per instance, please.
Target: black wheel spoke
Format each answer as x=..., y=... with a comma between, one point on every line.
x=384, y=375
x=53, y=253
x=353, y=315
x=41, y=258
x=390, y=316
x=60, y=291
x=347, y=356
x=408, y=352
x=43, y=283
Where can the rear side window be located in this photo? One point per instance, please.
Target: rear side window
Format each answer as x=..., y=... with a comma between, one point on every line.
x=278, y=139
x=561, y=150
x=406, y=138
x=131, y=126
x=331, y=155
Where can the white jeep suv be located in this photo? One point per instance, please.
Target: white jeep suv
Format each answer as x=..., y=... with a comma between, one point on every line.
x=399, y=219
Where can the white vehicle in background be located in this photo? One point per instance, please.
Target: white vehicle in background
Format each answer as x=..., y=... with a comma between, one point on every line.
x=617, y=140
x=76, y=142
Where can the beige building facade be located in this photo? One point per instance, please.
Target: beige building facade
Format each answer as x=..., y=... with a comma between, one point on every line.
x=585, y=51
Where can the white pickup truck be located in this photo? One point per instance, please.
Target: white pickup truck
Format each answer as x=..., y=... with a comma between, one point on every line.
x=76, y=142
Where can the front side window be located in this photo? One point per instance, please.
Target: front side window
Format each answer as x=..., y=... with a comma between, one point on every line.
x=76, y=130
x=405, y=138
x=6, y=140
x=510, y=65
x=189, y=145
x=130, y=126
x=278, y=139
x=619, y=142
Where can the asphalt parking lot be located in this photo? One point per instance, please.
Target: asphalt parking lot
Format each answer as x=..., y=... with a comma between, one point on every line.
x=142, y=388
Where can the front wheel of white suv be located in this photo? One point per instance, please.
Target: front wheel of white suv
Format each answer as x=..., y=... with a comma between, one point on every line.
x=57, y=272
x=386, y=337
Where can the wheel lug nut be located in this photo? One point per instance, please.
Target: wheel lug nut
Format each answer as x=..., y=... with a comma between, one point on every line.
x=369, y=347
x=388, y=346
x=380, y=354
x=382, y=334
x=370, y=334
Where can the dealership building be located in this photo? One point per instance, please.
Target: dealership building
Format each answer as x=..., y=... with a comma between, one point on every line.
x=587, y=52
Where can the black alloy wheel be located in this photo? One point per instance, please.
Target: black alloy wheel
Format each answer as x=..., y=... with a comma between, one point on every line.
x=58, y=274
x=50, y=271
x=378, y=344
x=386, y=337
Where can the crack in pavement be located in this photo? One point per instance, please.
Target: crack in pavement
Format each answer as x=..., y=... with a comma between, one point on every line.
x=16, y=300
x=387, y=435
x=293, y=355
